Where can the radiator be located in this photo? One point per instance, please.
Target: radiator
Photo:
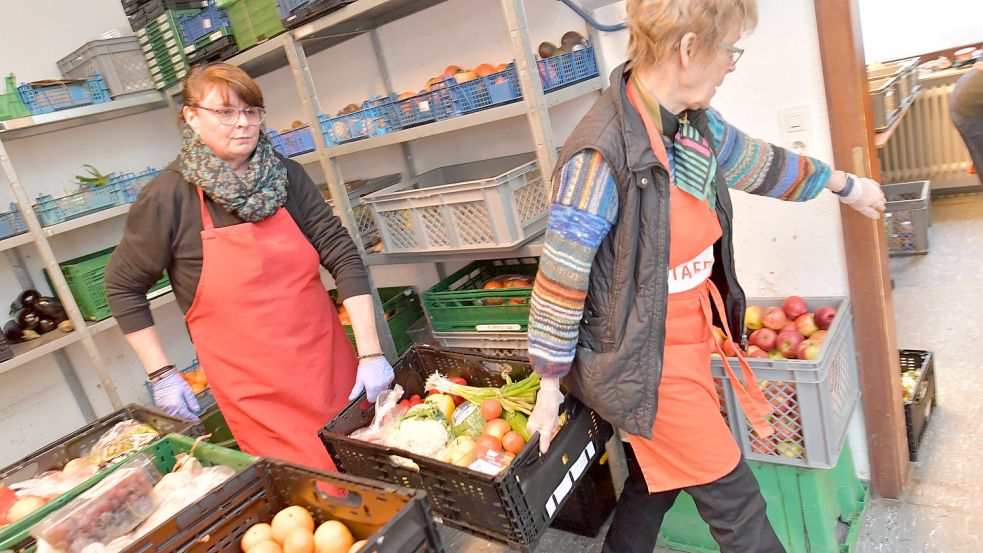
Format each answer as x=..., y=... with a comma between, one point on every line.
x=925, y=145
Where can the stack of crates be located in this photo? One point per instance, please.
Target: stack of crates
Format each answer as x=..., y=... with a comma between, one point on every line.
x=253, y=21
x=207, y=35
x=142, y=12
x=164, y=49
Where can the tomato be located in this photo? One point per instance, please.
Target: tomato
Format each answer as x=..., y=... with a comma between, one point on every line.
x=497, y=427
x=458, y=380
x=415, y=400
x=491, y=409
x=487, y=443
x=404, y=403
x=513, y=442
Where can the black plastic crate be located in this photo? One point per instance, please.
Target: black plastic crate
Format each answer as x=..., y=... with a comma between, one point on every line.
x=5, y=351
x=516, y=506
x=918, y=409
x=391, y=519
x=78, y=443
x=312, y=11
x=219, y=50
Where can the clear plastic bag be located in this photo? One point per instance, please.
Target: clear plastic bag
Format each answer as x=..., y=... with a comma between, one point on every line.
x=52, y=483
x=388, y=412
x=125, y=438
x=110, y=509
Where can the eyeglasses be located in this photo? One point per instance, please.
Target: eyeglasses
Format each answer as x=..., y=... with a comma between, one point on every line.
x=735, y=52
x=230, y=116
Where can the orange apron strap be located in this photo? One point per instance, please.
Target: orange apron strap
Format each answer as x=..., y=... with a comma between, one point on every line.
x=749, y=394
x=206, y=217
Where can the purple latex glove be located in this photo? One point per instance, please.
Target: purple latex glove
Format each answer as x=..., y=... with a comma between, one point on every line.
x=373, y=376
x=173, y=395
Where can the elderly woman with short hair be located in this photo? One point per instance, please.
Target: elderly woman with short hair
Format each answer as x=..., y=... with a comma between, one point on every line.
x=639, y=263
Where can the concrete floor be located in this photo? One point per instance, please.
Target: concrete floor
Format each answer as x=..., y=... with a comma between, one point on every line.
x=937, y=305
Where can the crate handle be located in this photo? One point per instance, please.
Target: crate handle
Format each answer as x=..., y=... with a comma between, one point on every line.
x=323, y=493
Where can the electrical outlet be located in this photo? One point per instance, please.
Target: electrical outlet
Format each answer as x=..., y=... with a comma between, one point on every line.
x=796, y=129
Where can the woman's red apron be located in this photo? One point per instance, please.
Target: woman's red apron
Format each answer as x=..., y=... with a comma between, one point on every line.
x=691, y=443
x=268, y=337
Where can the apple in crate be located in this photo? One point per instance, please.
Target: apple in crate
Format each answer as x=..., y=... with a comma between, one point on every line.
x=752, y=317
x=808, y=350
x=774, y=318
x=819, y=336
x=824, y=317
x=794, y=306
x=806, y=324
x=764, y=338
x=788, y=343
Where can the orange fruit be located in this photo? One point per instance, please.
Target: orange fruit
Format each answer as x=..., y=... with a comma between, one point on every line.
x=256, y=534
x=333, y=537
x=290, y=519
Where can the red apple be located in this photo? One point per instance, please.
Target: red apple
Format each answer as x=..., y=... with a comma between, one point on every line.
x=775, y=354
x=794, y=306
x=774, y=318
x=824, y=317
x=808, y=350
x=788, y=343
x=764, y=338
x=752, y=317
x=752, y=347
x=819, y=336
x=758, y=354
x=806, y=324
x=790, y=325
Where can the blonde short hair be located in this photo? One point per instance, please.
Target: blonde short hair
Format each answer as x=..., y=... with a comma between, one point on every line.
x=657, y=26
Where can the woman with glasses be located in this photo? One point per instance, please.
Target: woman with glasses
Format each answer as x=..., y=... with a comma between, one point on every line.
x=242, y=233
x=638, y=264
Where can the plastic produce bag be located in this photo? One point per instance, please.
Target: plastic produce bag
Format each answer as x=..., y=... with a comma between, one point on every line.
x=388, y=412
x=125, y=438
x=52, y=483
x=108, y=510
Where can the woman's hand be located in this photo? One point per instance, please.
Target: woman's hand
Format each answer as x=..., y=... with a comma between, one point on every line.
x=864, y=195
x=545, y=417
x=173, y=395
x=373, y=376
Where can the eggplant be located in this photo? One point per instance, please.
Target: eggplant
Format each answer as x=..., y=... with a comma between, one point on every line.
x=46, y=325
x=27, y=318
x=50, y=308
x=27, y=298
x=13, y=331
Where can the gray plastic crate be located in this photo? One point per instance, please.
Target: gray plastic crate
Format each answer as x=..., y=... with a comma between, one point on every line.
x=492, y=344
x=120, y=61
x=367, y=229
x=907, y=216
x=493, y=203
x=812, y=400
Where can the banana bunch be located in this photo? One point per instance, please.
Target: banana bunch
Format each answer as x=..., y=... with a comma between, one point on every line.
x=95, y=180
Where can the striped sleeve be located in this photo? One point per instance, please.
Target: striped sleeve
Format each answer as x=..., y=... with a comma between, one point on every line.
x=583, y=212
x=757, y=167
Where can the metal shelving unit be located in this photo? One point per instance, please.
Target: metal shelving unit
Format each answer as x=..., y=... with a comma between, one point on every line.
x=291, y=50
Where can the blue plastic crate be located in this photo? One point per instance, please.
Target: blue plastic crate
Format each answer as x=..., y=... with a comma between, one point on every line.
x=287, y=7
x=450, y=98
x=377, y=116
x=130, y=184
x=207, y=21
x=12, y=223
x=567, y=69
x=293, y=142
x=51, y=211
x=46, y=98
x=417, y=110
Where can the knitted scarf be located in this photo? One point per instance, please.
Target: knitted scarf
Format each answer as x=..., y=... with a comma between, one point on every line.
x=252, y=197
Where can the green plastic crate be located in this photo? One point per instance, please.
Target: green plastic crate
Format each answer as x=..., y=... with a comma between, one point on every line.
x=402, y=308
x=812, y=510
x=86, y=279
x=214, y=423
x=11, y=106
x=459, y=304
x=253, y=21
x=53, y=456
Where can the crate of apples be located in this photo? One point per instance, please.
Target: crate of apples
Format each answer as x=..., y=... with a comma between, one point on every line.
x=292, y=530
x=786, y=331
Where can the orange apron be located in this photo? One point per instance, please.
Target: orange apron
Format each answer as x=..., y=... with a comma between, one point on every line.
x=691, y=443
x=269, y=339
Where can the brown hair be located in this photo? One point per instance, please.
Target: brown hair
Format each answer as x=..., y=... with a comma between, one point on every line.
x=657, y=26
x=227, y=78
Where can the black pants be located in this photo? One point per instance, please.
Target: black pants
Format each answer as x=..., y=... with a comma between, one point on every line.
x=732, y=506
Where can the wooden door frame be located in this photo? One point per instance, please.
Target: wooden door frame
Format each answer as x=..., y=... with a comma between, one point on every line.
x=851, y=129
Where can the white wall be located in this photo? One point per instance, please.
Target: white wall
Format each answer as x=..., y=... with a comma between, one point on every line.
x=894, y=29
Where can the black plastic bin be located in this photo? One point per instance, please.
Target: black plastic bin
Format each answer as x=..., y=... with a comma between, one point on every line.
x=390, y=518
x=514, y=507
x=918, y=408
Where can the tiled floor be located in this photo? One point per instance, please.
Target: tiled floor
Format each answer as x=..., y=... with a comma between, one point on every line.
x=938, y=304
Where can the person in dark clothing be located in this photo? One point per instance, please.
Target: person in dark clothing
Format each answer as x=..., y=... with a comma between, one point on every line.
x=242, y=233
x=966, y=110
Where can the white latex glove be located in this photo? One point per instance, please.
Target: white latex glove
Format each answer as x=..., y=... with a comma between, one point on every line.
x=545, y=417
x=865, y=196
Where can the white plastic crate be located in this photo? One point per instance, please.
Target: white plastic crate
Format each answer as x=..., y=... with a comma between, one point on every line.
x=493, y=203
x=907, y=216
x=812, y=400
x=357, y=189
x=492, y=344
x=120, y=61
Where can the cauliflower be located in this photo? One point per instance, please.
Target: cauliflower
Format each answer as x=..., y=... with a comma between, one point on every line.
x=423, y=430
